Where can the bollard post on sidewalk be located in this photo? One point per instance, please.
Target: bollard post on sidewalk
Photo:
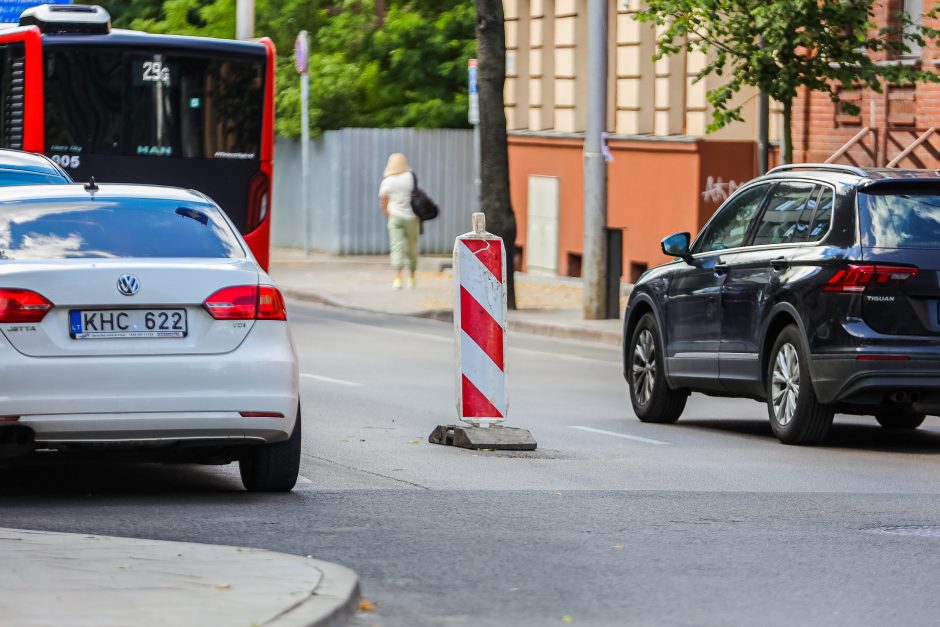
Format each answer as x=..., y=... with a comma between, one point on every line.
x=480, y=332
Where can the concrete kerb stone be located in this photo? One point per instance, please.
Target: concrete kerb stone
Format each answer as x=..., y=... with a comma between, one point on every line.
x=53, y=578
x=447, y=315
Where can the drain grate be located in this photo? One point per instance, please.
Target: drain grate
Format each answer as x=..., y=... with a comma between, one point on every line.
x=923, y=531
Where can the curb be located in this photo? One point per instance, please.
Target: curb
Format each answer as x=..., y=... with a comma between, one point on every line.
x=447, y=315
x=332, y=603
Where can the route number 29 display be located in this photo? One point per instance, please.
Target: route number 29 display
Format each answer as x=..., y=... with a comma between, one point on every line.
x=155, y=72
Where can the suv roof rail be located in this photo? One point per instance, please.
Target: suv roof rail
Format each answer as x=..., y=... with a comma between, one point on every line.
x=829, y=167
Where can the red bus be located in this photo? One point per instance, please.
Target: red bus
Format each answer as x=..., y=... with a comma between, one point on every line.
x=132, y=107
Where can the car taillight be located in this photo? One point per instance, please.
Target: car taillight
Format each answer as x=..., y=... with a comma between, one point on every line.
x=247, y=302
x=22, y=306
x=234, y=303
x=271, y=304
x=856, y=278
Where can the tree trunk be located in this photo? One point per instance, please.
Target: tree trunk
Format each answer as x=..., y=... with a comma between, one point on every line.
x=495, y=201
x=788, y=131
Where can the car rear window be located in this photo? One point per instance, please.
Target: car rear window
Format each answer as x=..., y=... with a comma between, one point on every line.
x=900, y=218
x=75, y=228
x=17, y=177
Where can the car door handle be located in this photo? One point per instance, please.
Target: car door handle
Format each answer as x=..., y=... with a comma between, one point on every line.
x=721, y=268
x=780, y=263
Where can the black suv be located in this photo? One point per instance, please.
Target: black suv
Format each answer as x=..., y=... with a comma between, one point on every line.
x=815, y=288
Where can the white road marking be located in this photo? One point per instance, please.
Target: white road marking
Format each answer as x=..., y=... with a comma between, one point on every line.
x=303, y=479
x=317, y=377
x=619, y=435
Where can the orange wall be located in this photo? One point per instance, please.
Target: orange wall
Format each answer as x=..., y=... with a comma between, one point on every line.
x=655, y=188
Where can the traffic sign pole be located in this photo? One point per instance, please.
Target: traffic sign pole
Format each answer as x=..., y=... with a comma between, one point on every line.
x=473, y=116
x=301, y=59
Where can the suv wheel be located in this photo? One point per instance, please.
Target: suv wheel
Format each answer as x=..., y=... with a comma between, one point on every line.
x=899, y=419
x=652, y=399
x=272, y=467
x=795, y=415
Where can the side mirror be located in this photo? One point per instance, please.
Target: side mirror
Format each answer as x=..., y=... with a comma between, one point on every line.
x=677, y=245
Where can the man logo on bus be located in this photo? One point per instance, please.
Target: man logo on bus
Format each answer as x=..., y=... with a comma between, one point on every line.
x=155, y=151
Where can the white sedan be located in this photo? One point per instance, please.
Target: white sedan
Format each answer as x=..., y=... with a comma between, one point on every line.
x=135, y=321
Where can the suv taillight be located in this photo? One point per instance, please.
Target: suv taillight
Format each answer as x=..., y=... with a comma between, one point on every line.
x=247, y=302
x=856, y=278
x=18, y=305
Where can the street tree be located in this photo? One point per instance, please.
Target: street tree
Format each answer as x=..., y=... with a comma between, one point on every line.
x=782, y=46
x=495, y=200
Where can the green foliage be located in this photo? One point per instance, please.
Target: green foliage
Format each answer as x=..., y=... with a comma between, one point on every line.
x=784, y=45
x=404, y=68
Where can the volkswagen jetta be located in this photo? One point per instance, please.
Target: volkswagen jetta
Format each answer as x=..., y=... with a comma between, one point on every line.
x=136, y=323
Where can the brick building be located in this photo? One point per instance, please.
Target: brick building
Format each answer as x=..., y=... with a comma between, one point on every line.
x=887, y=124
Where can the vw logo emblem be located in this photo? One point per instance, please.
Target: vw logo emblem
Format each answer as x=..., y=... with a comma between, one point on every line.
x=128, y=285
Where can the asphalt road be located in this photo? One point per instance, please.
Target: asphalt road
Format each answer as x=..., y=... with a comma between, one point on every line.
x=610, y=522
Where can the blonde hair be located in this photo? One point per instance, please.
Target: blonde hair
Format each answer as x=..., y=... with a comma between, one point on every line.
x=397, y=164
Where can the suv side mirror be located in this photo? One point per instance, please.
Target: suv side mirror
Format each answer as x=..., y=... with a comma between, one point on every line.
x=677, y=245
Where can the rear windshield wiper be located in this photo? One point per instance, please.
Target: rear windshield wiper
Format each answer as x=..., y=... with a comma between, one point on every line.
x=195, y=214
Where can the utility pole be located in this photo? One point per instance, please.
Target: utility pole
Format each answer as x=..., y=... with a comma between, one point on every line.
x=763, y=123
x=245, y=19
x=594, y=262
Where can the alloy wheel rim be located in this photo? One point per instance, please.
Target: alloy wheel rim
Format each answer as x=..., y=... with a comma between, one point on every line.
x=785, y=384
x=644, y=367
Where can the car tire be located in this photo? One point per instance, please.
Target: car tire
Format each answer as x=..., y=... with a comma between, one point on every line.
x=273, y=467
x=796, y=416
x=899, y=419
x=652, y=398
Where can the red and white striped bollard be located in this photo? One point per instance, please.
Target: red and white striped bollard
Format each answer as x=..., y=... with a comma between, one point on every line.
x=480, y=325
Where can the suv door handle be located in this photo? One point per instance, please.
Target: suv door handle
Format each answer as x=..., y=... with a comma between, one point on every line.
x=721, y=268
x=780, y=263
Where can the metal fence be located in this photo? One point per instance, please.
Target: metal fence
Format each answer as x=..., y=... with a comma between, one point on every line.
x=345, y=171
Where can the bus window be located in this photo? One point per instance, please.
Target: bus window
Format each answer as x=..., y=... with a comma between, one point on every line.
x=155, y=105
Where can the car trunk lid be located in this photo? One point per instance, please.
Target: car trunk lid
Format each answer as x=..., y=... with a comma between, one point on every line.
x=164, y=316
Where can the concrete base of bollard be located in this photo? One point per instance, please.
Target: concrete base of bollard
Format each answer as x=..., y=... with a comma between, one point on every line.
x=495, y=438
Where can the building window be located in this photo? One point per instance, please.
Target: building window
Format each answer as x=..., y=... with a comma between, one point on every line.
x=914, y=9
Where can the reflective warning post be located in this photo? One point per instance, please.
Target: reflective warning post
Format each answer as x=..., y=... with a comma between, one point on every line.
x=480, y=331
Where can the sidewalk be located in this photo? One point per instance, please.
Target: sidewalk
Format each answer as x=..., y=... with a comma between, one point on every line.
x=77, y=579
x=547, y=305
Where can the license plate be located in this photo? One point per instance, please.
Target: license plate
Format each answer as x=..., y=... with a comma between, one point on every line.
x=95, y=324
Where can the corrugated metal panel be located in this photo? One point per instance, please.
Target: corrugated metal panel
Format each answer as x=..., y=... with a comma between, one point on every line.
x=345, y=171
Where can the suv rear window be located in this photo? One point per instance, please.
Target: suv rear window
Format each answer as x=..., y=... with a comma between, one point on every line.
x=75, y=228
x=900, y=218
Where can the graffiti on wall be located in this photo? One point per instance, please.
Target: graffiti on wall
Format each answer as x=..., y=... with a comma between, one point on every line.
x=717, y=190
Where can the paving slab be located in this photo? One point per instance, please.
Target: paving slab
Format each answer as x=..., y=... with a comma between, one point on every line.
x=53, y=579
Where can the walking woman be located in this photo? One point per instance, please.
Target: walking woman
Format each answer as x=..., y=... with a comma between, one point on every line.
x=403, y=224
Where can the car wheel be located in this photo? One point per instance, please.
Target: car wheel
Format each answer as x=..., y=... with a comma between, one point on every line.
x=899, y=419
x=651, y=396
x=272, y=467
x=795, y=415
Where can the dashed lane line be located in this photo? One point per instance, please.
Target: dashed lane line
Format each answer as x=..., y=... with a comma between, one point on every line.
x=619, y=435
x=317, y=377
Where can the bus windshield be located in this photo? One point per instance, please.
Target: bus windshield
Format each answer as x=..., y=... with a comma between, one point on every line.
x=130, y=102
